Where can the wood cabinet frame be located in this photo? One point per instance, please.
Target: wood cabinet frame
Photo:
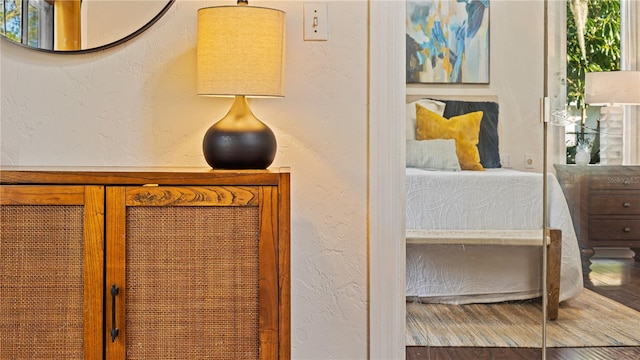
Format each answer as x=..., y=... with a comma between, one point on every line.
x=107, y=192
x=91, y=198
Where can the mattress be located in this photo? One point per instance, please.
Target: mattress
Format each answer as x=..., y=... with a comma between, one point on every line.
x=494, y=199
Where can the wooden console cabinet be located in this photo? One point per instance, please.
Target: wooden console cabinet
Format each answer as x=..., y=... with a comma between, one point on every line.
x=144, y=263
x=605, y=204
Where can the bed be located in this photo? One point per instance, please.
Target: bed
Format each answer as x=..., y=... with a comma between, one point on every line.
x=439, y=198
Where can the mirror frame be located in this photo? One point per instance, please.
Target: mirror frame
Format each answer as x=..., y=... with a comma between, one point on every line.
x=105, y=46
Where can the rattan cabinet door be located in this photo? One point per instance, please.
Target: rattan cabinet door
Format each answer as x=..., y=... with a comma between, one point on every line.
x=51, y=271
x=196, y=272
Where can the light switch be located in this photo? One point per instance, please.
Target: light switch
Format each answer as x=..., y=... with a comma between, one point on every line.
x=316, y=23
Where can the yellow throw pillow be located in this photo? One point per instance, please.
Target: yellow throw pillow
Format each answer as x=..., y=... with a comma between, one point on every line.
x=464, y=129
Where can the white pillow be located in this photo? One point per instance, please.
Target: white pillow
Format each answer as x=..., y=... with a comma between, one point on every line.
x=433, y=105
x=439, y=154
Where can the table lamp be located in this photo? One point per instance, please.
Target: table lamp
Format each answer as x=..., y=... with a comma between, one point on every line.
x=612, y=90
x=240, y=53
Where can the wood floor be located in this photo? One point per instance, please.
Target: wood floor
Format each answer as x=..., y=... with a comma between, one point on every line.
x=617, y=279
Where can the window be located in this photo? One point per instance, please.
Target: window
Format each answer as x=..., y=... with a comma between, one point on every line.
x=593, y=44
x=33, y=29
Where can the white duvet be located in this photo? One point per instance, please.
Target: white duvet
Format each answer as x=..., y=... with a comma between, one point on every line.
x=493, y=199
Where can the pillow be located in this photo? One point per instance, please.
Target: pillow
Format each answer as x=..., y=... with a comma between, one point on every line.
x=433, y=105
x=464, y=129
x=488, y=139
x=439, y=154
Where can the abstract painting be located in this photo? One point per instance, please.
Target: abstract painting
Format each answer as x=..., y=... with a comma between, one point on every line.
x=448, y=41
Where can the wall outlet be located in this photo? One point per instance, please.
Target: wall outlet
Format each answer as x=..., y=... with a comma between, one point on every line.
x=505, y=160
x=528, y=161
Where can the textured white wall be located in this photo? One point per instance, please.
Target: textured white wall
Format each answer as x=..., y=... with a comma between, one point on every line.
x=135, y=105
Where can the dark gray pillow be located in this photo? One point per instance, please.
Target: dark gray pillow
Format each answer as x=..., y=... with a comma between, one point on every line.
x=488, y=138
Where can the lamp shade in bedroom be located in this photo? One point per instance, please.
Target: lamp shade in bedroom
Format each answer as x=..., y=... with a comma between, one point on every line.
x=612, y=90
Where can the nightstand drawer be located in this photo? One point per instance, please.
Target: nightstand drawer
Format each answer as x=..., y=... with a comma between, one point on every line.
x=614, y=182
x=605, y=203
x=614, y=229
x=623, y=204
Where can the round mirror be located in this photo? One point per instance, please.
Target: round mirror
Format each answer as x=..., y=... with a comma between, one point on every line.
x=73, y=26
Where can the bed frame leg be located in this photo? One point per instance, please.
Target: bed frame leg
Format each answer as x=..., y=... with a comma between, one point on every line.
x=554, y=257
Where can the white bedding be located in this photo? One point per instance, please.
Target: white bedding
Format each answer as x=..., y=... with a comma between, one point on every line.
x=493, y=199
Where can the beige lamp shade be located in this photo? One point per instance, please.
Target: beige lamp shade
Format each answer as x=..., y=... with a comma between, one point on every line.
x=241, y=51
x=612, y=88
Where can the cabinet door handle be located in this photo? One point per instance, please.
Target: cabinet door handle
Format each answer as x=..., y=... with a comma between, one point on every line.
x=627, y=230
x=114, y=330
x=626, y=204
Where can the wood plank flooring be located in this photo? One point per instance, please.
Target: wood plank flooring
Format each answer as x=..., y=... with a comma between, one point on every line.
x=617, y=279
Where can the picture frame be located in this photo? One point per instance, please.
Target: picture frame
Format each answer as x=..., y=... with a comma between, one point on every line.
x=447, y=41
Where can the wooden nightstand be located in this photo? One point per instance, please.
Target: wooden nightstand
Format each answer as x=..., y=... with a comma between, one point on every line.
x=604, y=202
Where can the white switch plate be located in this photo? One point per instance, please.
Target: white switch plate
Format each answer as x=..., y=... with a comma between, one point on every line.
x=316, y=22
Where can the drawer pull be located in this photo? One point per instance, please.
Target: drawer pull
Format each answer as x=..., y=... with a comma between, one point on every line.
x=626, y=204
x=627, y=230
x=114, y=330
x=626, y=182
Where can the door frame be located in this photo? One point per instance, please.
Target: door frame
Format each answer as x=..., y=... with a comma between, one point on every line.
x=386, y=176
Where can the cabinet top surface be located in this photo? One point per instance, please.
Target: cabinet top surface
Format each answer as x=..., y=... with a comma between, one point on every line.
x=599, y=169
x=138, y=175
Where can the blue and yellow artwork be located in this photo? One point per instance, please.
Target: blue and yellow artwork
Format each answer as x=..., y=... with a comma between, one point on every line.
x=448, y=41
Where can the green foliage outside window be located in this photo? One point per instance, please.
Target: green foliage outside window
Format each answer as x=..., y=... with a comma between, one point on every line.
x=602, y=45
x=34, y=27
x=11, y=19
x=602, y=42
